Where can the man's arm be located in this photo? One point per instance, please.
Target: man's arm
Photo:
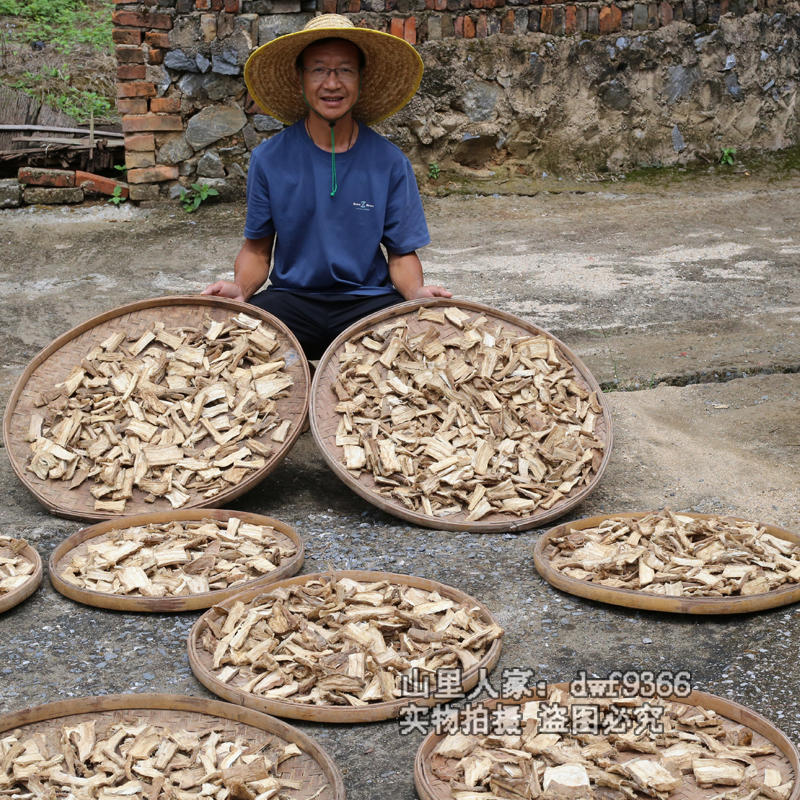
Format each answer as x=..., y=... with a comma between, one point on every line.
x=405, y=272
x=250, y=271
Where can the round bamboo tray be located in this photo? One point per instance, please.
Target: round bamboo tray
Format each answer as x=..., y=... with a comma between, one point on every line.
x=54, y=363
x=430, y=787
x=314, y=768
x=325, y=420
x=15, y=597
x=75, y=545
x=633, y=598
x=201, y=661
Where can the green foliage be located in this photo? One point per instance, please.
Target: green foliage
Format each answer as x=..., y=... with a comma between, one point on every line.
x=199, y=193
x=433, y=170
x=727, y=157
x=117, y=198
x=120, y=167
x=78, y=103
x=64, y=24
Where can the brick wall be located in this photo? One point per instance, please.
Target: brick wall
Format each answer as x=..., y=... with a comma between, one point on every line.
x=185, y=110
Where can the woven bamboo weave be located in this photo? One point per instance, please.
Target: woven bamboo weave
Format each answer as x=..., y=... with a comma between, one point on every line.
x=314, y=767
x=201, y=660
x=15, y=597
x=54, y=363
x=76, y=545
x=430, y=787
x=633, y=598
x=325, y=420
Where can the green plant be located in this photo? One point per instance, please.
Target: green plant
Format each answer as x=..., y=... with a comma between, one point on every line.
x=117, y=198
x=727, y=157
x=433, y=170
x=120, y=167
x=199, y=193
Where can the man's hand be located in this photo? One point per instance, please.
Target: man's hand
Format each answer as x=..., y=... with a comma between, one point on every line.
x=431, y=291
x=227, y=289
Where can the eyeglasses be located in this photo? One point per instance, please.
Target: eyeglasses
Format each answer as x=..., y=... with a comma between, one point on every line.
x=320, y=74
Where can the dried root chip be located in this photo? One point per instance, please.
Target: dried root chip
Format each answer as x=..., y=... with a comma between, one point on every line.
x=478, y=419
x=175, y=413
x=341, y=642
x=678, y=556
x=681, y=749
x=15, y=568
x=174, y=559
x=138, y=758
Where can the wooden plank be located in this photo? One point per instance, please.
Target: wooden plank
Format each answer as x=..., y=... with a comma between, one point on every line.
x=54, y=129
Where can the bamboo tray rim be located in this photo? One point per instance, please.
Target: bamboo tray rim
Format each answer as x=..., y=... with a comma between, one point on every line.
x=329, y=713
x=23, y=592
x=175, y=702
x=734, y=712
x=511, y=523
x=45, y=497
x=190, y=602
x=635, y=598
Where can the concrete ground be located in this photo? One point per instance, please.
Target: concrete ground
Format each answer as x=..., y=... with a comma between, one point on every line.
x=684, y=298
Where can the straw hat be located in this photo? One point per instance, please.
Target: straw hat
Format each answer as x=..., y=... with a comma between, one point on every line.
x=390, y=77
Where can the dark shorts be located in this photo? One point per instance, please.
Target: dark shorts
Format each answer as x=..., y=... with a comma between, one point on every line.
x=317, y=321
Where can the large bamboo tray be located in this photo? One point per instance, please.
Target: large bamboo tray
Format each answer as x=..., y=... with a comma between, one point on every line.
x=54, y=363
x=15, y=597
x=324, y=421
x=633, y=598
x=201, y=661
x=314, y=767
x=75, y=545
x=430, y=787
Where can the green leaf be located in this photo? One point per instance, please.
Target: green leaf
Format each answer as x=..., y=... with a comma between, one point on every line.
x=213, y=192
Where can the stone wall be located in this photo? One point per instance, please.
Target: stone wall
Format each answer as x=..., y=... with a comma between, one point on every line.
x=533, y=85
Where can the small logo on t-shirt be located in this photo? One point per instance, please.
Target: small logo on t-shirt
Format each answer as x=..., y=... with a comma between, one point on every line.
x=364, y=206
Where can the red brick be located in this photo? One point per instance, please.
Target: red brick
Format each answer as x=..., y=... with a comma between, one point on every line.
x=507, y=23
x=482, y=28
x=396, y=28
x=666, y=13
x=155, y=56
x=138, y=160
x=131, y=72
x=724, y=8
x=128, y=105
x=54, y=178
x=165, y=105
x=203, y=5
x=571, y=20
x=353, y=6
x=97, y=183
x=132, y=19
x=458, y=27
x=129, y=54
x=140, y=142
x=156, y=39
x=616, y=18
x=125, y=36
x=441, y=5
x=233, y=6
x=329, y=6
x=605, y=20
x=152, y=174
x=469, y=28
x=478, y=3
x=549, y=2
x=136, y=89
x=152, y=122
x=410, y=30
x=546, y=22
x=217, y=5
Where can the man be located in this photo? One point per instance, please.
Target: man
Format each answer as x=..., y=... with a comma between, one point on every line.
x=327, y=192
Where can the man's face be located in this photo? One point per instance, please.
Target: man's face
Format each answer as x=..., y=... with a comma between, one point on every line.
x=332, y=97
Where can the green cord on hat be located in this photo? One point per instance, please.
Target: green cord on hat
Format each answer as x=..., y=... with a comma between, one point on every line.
x=334, y=184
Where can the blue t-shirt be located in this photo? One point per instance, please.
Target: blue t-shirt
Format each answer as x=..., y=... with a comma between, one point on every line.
x=331, y=245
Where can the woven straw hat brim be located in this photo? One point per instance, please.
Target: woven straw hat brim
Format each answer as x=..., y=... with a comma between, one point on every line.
x=390, y=78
